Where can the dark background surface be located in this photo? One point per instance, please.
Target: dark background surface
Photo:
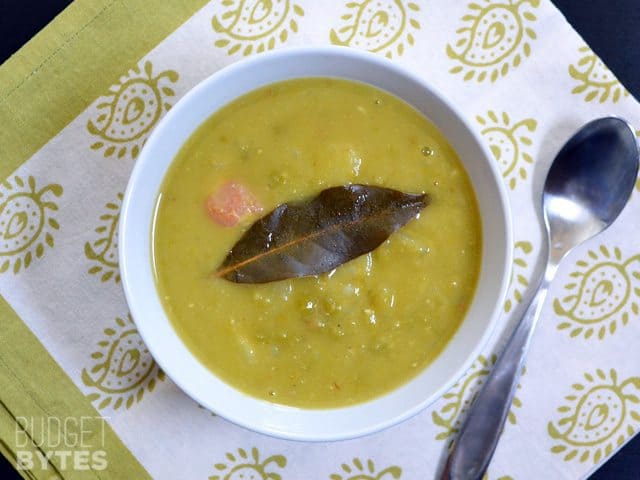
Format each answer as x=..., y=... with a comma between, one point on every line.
x=610, y=27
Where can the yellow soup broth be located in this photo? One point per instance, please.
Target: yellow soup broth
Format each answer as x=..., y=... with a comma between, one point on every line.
x=338, y=338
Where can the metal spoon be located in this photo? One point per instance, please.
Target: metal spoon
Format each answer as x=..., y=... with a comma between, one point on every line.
x=586, y=188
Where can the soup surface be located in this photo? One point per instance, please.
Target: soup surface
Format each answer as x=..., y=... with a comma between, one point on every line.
x=351, y=334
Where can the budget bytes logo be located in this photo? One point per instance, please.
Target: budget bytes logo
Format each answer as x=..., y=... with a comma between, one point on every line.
x=71, y=443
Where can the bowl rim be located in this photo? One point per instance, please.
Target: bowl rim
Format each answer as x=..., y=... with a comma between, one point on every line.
x=127, y=264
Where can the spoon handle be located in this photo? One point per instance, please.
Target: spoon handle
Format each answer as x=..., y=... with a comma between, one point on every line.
x=481, y=429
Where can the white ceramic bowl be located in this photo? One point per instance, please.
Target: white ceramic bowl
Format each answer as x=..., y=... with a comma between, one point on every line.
x=136, y=250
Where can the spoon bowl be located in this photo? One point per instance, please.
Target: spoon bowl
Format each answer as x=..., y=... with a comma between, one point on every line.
x=588, y=185
x=585, y=190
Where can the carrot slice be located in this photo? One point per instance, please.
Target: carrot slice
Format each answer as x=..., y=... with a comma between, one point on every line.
x=231, y=203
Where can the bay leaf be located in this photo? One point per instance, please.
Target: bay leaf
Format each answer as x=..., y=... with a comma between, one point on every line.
x=308, y=238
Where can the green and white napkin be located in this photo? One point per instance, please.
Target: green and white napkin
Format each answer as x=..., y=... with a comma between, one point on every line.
x=78, y=102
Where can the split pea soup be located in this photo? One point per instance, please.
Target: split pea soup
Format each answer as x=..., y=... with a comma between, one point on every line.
x=338, y=338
